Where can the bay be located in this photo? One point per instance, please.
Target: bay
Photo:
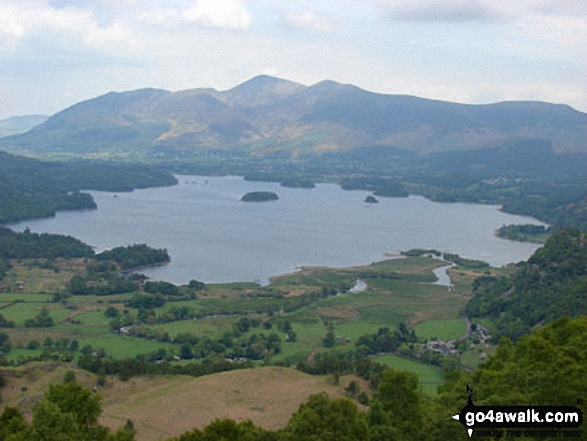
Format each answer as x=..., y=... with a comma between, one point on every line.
x=213, y=236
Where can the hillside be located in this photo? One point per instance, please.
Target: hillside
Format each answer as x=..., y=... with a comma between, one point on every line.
x=161, y=407
x=20, y=124
x=550, y=285
x=267, y=115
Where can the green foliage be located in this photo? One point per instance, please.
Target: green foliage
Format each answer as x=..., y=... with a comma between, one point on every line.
x=5, y=323
x=420, y=252
x=164, y=288
x=33, y=189
x=550, y=285
x=467, y=263
x=259, y=196
x=525, y=233
x=69, y=377
x=390, y=187
x=329, y=341
x=12, y=422
x=323, y=419
x=134, y=256
x=27, y=245
x=547, y=367
x=5, y=266
x=68, y=412
x=145, y=301
x=385, y=340
x=111, y=312
x=227, y=430
x=101, y=284
x=42, y=320
x=195, y=285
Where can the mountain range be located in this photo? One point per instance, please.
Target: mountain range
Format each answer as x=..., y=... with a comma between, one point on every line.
x=268, y=115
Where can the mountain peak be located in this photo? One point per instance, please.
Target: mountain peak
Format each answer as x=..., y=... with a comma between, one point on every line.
x=260, y=90
x=261, y=81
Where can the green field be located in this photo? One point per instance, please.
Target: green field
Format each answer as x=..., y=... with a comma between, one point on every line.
x=119, y=346
x=441, y=329
x=397, y=291
x=19, y=312
x=209, y=327
x=430, y=377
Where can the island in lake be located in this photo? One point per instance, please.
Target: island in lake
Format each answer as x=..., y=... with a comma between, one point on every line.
x=371, y=200
x=260, y=196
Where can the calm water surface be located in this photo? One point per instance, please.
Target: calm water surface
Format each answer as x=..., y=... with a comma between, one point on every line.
x=214, y=237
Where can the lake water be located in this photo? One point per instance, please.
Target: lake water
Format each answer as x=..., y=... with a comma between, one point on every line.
x=214, y=237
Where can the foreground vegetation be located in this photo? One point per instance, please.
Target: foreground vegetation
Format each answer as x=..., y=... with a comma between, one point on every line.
x=547, y=367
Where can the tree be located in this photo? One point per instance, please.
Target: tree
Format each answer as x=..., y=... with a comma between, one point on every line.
x=68, y=412
x=194, y=285
x=41, y=320
x=329, y=340
x=69, y=377
x=111, y=312
x=352, y=389
x=327, y=420
x=400, y=400
x=186, y=352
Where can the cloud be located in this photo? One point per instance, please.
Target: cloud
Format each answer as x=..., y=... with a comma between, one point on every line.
x=25, y=19
x=224, y=14
x=159, y=16
x=306, y=20
x=436, y=11
x=475, y=10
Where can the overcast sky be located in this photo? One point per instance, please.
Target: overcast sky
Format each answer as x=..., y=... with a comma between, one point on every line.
x=54, y=53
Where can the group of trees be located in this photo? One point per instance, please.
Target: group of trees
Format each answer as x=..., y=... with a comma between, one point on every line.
x=524, y=233
x=134, y=256
x=550, y=285
x=31, y=189
x=385, y=340
x=106, y=274
x=42, y=320
x=68, y=412
x=27, y=245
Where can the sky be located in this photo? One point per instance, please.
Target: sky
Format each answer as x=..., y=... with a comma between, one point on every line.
x=54, y=53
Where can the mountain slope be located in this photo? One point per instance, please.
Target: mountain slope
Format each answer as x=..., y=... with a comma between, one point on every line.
x=267, y=114
x=20, y=124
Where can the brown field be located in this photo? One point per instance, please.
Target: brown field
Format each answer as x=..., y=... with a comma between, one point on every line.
x=162, y=407
x=37, y=280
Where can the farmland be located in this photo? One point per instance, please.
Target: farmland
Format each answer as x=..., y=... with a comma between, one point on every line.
x=286, y=322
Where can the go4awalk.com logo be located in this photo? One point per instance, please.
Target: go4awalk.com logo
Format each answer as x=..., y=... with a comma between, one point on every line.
x=517, y=421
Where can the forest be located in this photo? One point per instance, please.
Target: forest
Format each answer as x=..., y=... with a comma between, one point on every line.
x=30, y=188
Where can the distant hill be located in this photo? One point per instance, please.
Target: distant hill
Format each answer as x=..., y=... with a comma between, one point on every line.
x=20, y=124
x=268, y=115
x=30, y=188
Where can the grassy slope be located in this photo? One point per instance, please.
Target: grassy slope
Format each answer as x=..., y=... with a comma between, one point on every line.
x=162, y=407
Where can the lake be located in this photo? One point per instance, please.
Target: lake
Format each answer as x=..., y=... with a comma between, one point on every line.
x=213, y=236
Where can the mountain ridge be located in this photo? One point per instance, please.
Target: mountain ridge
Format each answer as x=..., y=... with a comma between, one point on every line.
x=268, y=114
